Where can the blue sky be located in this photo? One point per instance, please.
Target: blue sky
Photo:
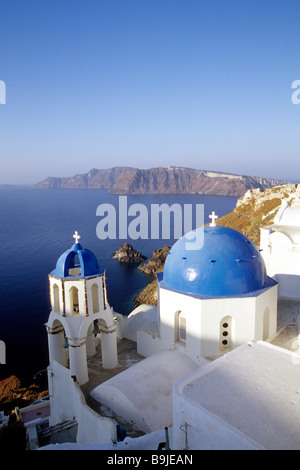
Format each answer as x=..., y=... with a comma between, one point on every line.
x=197, y=83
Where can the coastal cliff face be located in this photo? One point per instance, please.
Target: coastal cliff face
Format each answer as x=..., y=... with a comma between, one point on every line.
x=255, y=209
x=172, y=180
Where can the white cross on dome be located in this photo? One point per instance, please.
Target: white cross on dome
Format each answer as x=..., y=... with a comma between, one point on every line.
x=213, y=217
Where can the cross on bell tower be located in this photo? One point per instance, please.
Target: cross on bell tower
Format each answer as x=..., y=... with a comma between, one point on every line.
x=76, y=236
x=213, y=217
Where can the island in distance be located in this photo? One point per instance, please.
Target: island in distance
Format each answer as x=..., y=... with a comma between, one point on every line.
x=171, y=180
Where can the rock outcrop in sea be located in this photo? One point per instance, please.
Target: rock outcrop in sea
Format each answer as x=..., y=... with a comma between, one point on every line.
x=127, y=254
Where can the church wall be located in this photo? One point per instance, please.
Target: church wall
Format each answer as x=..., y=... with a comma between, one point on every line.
x=205, y=320
x=193, y=314
x=67, y=403
x=266, y=315
x=149, y=341
x=282, y=260
x=280, y=255
x=241, y=312
x=171, y=303
x=289, y=285
x=247, y=320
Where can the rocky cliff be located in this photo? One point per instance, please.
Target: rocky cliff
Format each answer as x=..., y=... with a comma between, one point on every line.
x=172, y=180
x=257, y=209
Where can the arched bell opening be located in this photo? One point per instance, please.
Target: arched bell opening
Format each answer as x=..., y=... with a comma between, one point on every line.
x=75, y=269
x=74, y=301
x=95, y=298
x=58, y=344
x=56, y=302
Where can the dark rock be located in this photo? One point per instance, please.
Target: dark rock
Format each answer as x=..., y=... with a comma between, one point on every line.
x=12, y=394
x=9, y=387
x=156, y=263
x=126, y=254
x=148, y=295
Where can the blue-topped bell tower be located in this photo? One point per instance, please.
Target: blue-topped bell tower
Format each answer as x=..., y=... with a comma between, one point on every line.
x=80, y=312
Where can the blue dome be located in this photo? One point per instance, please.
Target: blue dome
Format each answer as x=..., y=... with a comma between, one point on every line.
x=78, y=257
x=227, y=264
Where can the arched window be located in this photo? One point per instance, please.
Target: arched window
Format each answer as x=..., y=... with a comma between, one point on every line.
x=266, y=324
x=95, y=298
x=74, y=304
x=226, y=333
x=56, y=305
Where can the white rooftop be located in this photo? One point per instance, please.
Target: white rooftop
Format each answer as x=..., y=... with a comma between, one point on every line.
x=254, y=389
x=143, y=394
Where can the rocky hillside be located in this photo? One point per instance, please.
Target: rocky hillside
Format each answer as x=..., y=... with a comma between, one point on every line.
x=254, y=210
x=172, y=180
x=13, y=394
x=257, y=209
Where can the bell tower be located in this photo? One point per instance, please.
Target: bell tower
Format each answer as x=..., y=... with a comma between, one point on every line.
x=80, y=311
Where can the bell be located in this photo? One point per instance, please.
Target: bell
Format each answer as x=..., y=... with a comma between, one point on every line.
x=66, y=344
x=96, y=329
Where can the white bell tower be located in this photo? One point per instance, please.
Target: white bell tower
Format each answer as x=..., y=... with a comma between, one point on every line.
x=80, y=311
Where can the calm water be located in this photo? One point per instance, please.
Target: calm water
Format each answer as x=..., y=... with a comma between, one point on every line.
x=36, y=227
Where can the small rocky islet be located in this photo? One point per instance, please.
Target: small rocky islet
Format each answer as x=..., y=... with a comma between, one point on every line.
x=127, y=254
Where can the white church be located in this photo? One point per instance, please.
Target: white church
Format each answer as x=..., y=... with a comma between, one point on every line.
x=205, y=368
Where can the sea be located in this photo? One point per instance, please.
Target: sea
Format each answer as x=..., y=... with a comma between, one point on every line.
x=36, y=227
